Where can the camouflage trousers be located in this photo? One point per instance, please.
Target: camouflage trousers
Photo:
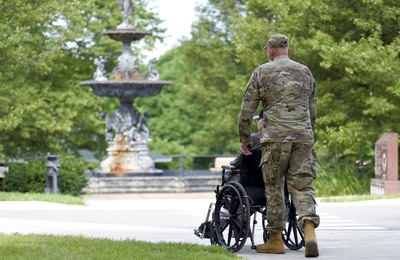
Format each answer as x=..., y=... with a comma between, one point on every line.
x=298, y=163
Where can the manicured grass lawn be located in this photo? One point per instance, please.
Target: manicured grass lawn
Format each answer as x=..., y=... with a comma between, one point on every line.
x=59, y=198
x=18, y=247
x=71, y=247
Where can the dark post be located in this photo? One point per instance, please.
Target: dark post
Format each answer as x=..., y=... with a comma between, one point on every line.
x=181, y=164
x=52, y=173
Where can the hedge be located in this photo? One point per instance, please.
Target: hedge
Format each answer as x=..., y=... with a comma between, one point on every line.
x=30, y=176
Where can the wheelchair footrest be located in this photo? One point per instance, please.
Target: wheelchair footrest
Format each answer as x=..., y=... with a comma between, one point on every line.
x=205, y=230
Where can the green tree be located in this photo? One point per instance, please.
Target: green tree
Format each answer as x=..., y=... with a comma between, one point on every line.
x=352, y=47
x=201, y=110
x=47, y=48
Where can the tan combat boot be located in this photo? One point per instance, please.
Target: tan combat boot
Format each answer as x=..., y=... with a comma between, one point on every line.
x=274, y=244
x=310, y=240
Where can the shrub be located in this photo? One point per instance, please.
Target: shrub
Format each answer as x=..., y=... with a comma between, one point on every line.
x=25, y=177
x=72, y=177
x=340, y=177
x=30, y=176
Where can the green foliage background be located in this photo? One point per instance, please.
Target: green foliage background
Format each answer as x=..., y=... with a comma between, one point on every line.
x=354, y=58
x=47, y=47
x=352, y=47
x=339, y=177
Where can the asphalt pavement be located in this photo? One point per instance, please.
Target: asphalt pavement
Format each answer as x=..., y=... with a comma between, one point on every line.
x=353, y=230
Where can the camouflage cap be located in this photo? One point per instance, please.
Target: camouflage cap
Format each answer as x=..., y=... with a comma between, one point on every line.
x=277, y=41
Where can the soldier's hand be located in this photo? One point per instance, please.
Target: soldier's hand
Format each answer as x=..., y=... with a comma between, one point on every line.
x=245, y=148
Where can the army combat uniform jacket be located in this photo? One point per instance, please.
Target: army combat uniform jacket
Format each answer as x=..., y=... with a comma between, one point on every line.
x=287, y=92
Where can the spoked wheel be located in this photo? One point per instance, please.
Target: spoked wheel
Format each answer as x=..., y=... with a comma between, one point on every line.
x=293, y=235
x=214, y=238
x=232, y=216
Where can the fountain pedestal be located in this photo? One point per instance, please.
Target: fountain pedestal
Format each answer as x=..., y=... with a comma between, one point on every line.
x=128, y=159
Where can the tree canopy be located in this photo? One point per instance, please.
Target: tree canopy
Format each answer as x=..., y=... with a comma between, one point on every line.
x=48, y=47
x=352, y=48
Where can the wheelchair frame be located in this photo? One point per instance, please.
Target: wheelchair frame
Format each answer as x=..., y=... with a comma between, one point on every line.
x=231, y=215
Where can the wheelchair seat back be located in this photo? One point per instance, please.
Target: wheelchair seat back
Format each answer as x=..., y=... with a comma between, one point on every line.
x=251, y=177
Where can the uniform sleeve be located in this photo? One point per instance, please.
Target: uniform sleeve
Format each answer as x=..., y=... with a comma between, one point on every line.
x=251, y=99
x=313, y=102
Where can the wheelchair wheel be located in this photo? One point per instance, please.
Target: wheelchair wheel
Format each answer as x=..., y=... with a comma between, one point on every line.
x=293, y=235
x=232, y=217
x=214, y=238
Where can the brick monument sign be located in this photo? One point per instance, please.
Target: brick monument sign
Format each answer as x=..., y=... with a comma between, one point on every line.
x=386, y=166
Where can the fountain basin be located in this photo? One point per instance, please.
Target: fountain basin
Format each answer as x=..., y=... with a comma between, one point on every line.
x=126, y=89
x=125, y=35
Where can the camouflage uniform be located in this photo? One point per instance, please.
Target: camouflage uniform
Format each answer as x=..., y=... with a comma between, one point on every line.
x=287, y=92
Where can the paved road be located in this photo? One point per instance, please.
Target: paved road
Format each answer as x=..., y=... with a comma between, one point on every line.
x=357, y=230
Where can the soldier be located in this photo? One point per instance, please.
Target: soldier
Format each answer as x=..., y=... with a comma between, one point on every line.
x=287, y=92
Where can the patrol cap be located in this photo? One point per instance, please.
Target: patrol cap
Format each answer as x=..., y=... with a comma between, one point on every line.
x=277, y=41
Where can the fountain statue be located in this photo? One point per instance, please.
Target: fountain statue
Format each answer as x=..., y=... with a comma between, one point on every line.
x=126, y=130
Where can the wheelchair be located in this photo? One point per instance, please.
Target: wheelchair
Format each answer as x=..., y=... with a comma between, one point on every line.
x=240, y=198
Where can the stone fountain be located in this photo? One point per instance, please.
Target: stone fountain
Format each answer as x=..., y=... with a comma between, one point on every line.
x=126, y=130
x=128, y=167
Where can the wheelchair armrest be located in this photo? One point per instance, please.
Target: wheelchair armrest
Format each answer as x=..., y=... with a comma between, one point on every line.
x=228, y=173
x=228, y=167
